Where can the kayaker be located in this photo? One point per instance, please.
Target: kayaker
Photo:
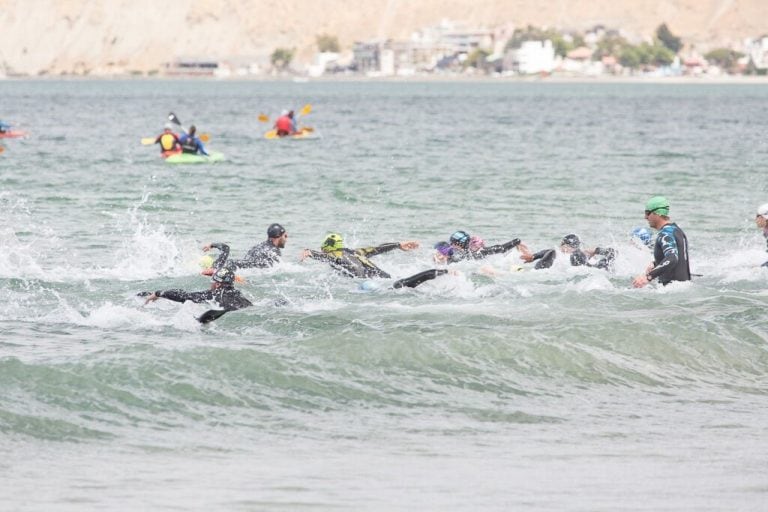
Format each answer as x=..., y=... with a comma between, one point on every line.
x=355, y=262
x=222, y=292
x=670, y=252
x=262, y=255
x=169, y=141
x=598, y=257
x=190, y=144
x=285, y=124
x=473, y=247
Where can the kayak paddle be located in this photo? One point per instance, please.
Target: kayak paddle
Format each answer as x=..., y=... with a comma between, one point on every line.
x=175, y=120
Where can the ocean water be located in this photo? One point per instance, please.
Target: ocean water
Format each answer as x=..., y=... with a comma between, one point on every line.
x=561, y=389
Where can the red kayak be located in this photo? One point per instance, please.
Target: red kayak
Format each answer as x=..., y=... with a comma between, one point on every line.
x=12, y=134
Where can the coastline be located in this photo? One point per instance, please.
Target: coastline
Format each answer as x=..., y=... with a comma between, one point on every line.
x=556, y=79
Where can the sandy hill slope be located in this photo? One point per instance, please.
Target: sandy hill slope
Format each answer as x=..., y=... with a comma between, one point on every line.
x=54, y=36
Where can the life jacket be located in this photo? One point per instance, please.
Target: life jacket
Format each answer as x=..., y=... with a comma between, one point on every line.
x=284, y=124
x=169, y=142
x=189, y=145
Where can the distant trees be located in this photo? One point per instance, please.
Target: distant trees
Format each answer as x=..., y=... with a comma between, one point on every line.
x=327, y=43
x=562, y=43
x=476, y=59
x=724, y=57
x=668, y=39
x=281, y=58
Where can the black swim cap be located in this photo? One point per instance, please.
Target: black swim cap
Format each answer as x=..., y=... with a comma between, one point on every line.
x=224, y=275
x=571, y=241
x=275, y=230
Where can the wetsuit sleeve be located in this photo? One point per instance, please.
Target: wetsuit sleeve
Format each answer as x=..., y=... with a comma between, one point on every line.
x=671, y=255
x=223, y=256
x=545, y=258
x=416, y=279
x=200, y=147
x=498, y=249
x=183, y=295
x=373, y=251
x=316, y=255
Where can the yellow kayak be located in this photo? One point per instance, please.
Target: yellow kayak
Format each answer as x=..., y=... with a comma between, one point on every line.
x=303, y=133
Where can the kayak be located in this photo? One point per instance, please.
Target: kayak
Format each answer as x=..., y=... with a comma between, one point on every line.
x=13, y=134
x=188, y=158
x=301, y=134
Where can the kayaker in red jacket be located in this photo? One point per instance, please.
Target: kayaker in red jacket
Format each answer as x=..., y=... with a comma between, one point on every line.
x=285, y=124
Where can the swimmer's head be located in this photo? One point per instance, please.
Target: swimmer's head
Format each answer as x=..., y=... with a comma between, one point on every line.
x=658, y=205
x=461, y=239
x=224, y=276
x=643, y=236
x=572, y=241
x=476, y=243
x=762, y=211
x=206, y=261
x=333, y=242
x=444, y=248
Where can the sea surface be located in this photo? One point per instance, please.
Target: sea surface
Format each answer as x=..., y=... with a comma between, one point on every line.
x=550, y=390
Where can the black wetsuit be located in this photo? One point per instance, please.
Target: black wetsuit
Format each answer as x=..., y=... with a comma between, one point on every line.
x=670, y=256
x=544, y=258
x=464, y=254
x=355, y=263
x=262, y=255
x=229, y=298
x=605, y=258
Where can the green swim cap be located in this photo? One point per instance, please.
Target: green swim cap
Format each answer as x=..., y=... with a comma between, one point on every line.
x=658, y=205
x=332, y=243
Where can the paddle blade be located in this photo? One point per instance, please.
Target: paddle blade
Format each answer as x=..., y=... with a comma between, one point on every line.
x=205, y=137
x=307, y=129
x=211, y=315
x=172, y=118
x=306, y=109
x=2, y=149
x=264, y=118
x=147, y=141
x=271, y=134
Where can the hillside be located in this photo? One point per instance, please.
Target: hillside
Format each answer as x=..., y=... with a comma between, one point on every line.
x=100, y=36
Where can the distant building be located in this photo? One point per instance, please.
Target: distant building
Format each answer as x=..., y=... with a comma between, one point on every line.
x=758, y=54
x=532, y=57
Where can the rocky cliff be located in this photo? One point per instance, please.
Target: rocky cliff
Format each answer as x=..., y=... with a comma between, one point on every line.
x=103, y=36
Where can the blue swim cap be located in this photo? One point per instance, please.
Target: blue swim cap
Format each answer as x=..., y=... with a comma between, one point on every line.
x=460, y=238
x=644, y=235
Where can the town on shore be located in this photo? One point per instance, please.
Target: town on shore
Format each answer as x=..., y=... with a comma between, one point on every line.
x=453, y=49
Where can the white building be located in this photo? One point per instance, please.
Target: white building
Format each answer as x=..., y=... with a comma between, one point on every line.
x=758, y=52
x=532, y=57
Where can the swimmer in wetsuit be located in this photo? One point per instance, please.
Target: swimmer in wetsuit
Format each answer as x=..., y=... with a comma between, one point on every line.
x=356, y=262
x=474, y=248
x=670, y=252
x=599, y=257
x=761, y=220
x=262, y=255
x=222, y=292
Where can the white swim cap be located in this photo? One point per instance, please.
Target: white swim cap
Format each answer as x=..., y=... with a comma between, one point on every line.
x=763, y=211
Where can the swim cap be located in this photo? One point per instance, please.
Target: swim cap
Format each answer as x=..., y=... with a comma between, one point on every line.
x=444, y=248
x=224, y=275
x=658, y=205
x=643, y=234
x=763, y=211
x=571, y=241
x=333, y=242
x=460, y=238
x=275, y=230
x=206, y=261
x=476, y=243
